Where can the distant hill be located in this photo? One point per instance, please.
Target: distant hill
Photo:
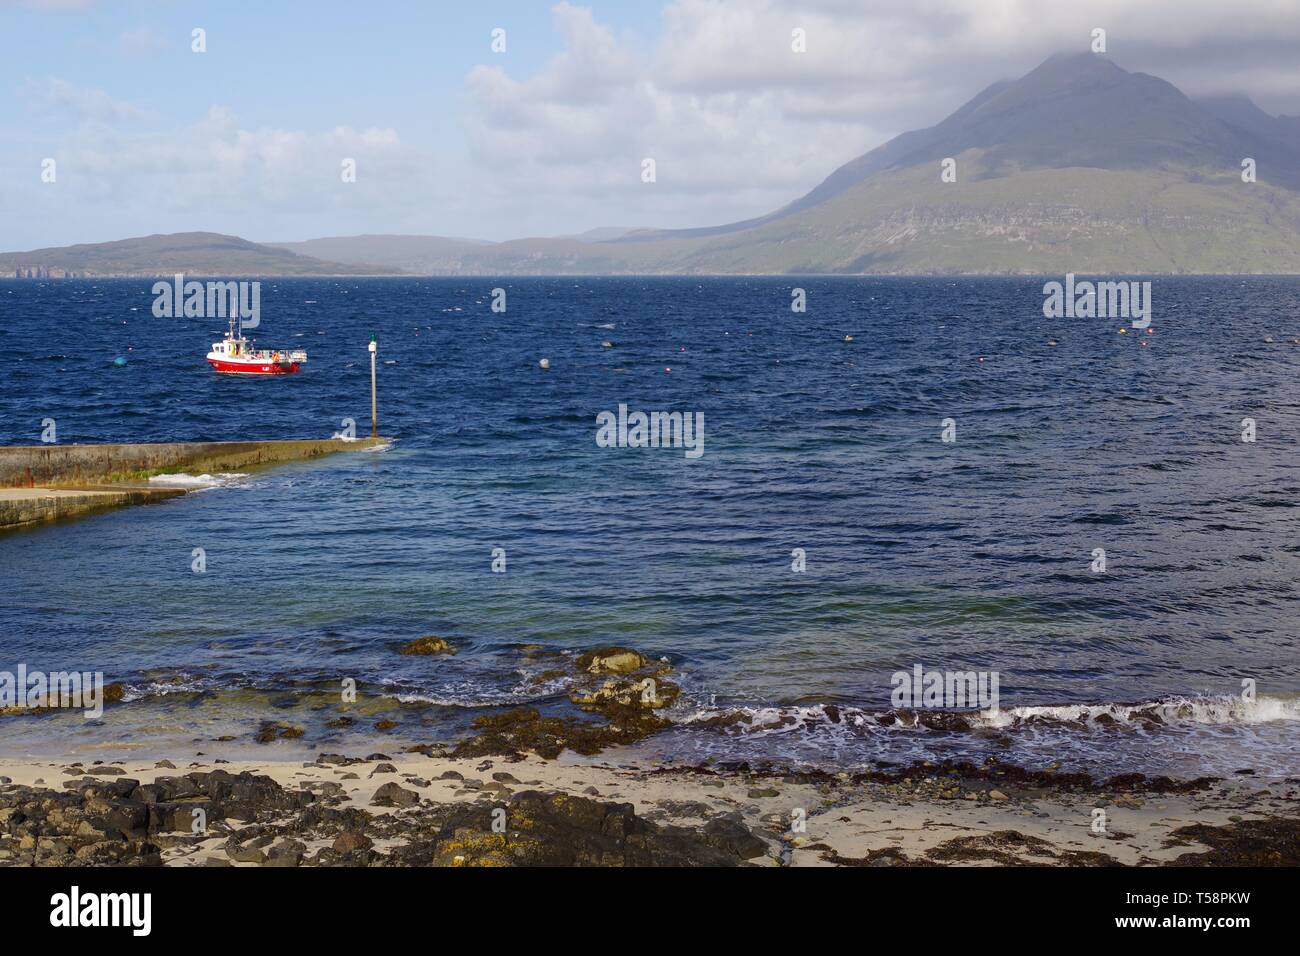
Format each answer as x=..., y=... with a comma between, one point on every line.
x=193, y=253
x=1078, y=166
x=423, y=255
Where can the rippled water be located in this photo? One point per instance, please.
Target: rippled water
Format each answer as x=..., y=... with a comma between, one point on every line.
x=972, y=556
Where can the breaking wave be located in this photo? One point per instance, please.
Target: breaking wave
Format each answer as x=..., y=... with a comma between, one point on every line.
x=183, y=480
x=1165, y=711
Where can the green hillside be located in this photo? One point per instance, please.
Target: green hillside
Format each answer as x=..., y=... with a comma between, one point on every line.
x=193, y=253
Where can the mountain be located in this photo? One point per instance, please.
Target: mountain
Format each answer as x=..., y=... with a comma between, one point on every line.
x=193, y=253
x=1078, y=166
x=1238, y=111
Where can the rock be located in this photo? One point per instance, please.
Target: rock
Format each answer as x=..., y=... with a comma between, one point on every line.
x=998, y=795
x=501, y=776
x=383, y=768
x=164, y=765
x=385, y=724
x=287, y=852
x=245, y=854
x=394, y=795
x=451, y=775
x=274, y=730
x=525, y=729
x=611, y=660
x=426, y=645
x=560, y=830
x=350, y=841
x=647, y=693
x=763, y=792
x=337, y=760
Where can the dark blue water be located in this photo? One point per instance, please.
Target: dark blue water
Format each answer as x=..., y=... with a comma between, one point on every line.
x=973, y=555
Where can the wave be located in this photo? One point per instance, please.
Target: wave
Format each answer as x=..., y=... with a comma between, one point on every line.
x=183, y=480
x=1171, y=711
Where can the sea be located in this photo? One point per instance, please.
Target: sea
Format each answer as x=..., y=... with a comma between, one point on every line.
x=909, y=473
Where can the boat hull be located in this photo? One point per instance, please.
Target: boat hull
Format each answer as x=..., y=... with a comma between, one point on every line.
x=253, y=368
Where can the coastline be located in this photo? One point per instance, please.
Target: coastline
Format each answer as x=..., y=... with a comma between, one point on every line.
x=420, y=810
x=42, y=483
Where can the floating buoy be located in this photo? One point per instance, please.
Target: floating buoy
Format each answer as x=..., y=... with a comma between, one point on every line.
x=667, y=369
x=119, y=361
x=1051, y=341
x=848, y=338
x=607, y=345
x=1123, y=331
x=1151, y=331
x=1268, y=338
x=545, y=363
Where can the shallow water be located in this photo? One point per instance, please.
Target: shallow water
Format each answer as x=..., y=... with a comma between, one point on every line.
x=966, y=556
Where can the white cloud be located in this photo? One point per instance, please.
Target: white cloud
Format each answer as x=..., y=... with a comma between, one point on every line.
x=215, y=174
x=81, y=102
x=739, y=123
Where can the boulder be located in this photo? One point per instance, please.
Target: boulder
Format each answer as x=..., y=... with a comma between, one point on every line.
x=611, y=660
x=393, y=795
x=426, y=645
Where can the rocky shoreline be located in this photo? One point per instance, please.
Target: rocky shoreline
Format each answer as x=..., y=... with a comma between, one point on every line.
x=527, y=789
x=456, y=811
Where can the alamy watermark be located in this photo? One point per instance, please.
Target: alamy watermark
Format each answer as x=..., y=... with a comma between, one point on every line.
x=37, y=690
x=921, y=688
x=74, y=908
x=651, y=430
x=208, y=300
x=1101, y=300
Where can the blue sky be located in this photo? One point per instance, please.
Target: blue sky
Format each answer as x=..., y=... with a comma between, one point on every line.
x=451, y=138
x=340, y=65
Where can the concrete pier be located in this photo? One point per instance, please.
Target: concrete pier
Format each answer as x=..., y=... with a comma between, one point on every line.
x=45, y=482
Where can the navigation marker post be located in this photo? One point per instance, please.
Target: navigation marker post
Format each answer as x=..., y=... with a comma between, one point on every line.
x=374, y=408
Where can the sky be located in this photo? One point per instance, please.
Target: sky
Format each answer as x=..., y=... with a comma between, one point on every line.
x=547, y=136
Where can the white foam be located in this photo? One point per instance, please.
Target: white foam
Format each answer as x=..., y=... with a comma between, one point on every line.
x=1171, y=711
x=183, y=480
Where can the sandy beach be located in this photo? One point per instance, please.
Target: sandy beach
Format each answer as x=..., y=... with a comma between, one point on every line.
x=420, y=810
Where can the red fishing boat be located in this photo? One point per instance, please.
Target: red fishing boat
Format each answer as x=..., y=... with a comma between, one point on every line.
x=233, y=356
